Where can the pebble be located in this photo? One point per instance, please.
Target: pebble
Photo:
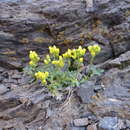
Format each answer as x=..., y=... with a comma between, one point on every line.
x=81, y=122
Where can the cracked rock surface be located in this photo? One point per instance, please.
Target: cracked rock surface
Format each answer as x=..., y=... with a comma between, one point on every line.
x=37, y=24
x=34, y=25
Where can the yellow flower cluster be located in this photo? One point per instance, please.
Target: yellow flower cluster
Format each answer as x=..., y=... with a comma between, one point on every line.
x=80, y=51
x=94, y=50
x=59, y=62
x=75, y=54
x=42, y=76
x=80, y=60
x=54, y=50
x=34, y=58
x=67, y=54
x=47, y=60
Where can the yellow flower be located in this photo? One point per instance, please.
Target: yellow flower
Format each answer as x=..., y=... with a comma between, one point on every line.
x=74, y=54
x=41, y=75
x=48, y=57
x=94, y=50
x=80, y=60
x=55, y=62
x=43, y=81
x=34, y=56
x=90, y=48
x=81, y=51
x=67, y=54
x=59, y=63
x=93, y=53
x=54, y=50
x=97, y=48
x=33, y=64
x=47, y=60
x=46, y=74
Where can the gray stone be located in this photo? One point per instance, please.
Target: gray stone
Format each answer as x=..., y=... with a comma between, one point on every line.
x=10, y=64
x=127, y=122
x=1, y=78
x=110, y=123
x=26, y=24
x=16, y=76
x=36, y=25
x=121, y=62
x=77, y=128
x=6, y=36
x=92, y=127
x=115, y=96
x=86, y=91
x=3, y=89
x=1, y=69
x=9, y=0
x=81, y=122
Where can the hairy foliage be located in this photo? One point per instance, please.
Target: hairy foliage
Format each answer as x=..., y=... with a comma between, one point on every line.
x=57, y=71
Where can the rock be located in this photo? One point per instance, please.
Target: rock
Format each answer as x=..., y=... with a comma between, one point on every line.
x=29, y=106
x=110, y=123
x=113, y=100
x=3, y=89
x=86, y=91
x=121, y=62
x=1, y=78
x=98, y=88
x=15, y=106
x=127, y=123
x=92, y=127
x=34, y=25
x=6, y=36
x=1, y=69
x=5, y=74
x=10, y=63
x=24, y=80
x=9, y=0
x=116, y=94
x=81, y=122
x=16, y=76
x=77, y=128
x=122, y=46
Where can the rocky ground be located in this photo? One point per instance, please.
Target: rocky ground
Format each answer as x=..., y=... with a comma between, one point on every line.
x=103, y=103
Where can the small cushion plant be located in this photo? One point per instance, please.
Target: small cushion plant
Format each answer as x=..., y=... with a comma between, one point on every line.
x=57, y=71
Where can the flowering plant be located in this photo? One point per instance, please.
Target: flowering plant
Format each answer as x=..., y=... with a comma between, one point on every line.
x=57, y=71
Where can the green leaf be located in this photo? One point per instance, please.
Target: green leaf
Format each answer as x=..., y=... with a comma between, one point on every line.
x=96, y=71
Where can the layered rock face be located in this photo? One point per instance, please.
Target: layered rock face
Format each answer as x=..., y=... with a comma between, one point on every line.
x=109, y=95
x=34, y=25
x=37, y=24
